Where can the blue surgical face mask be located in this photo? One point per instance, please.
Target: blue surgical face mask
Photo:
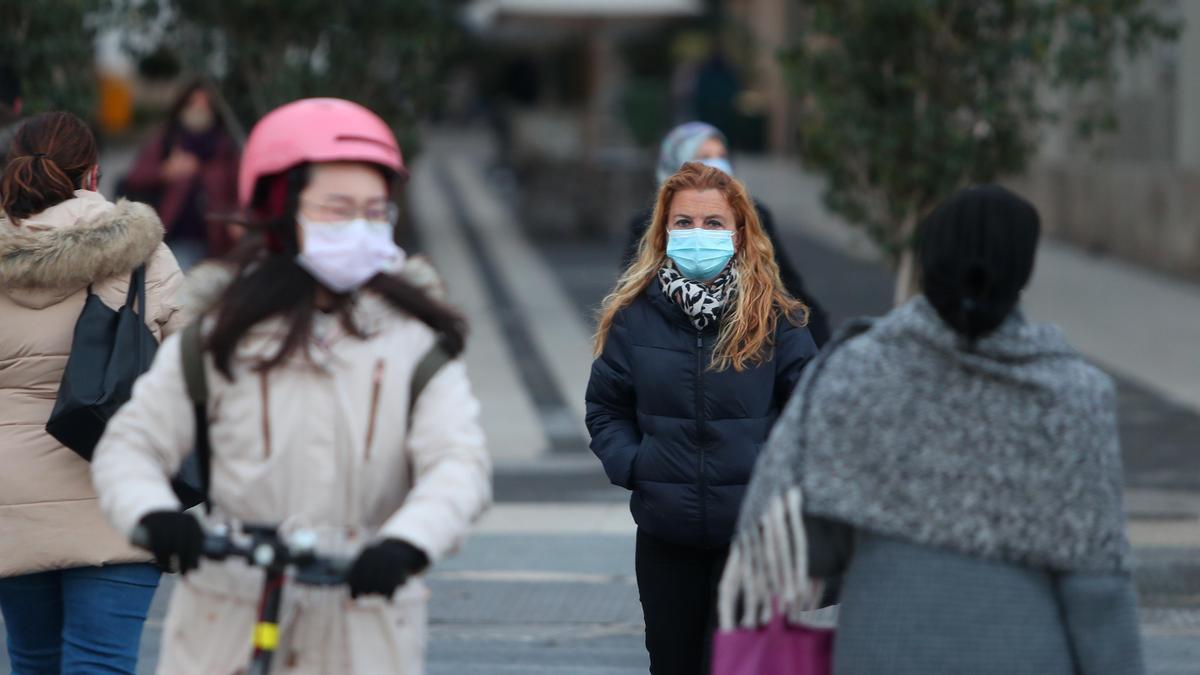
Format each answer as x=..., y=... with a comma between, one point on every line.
x=700, y=254
x=721, y=163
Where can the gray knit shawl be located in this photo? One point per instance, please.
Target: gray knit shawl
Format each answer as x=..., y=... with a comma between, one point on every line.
x=1005, y=449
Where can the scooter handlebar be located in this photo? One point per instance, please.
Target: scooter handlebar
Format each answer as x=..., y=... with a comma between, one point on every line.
x=312, y=568
x=215, y=546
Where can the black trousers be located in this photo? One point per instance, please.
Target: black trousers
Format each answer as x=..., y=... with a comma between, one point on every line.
x=678, y=587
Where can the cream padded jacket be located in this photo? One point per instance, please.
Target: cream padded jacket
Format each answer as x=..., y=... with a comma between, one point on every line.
x=49, y=518
x=323, y=444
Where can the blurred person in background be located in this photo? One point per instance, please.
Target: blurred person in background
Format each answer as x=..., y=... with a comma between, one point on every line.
x=10, y=107
x=310, y=349
x=188, y=172
x=698, y=348
x=960, y=466
x=74, y=594
x=704, y=143
x=717, y=88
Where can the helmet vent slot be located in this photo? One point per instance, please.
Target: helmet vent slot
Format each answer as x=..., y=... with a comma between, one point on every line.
x=364, y=139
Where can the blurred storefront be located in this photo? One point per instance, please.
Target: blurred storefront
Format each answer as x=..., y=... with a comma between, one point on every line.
x=1134, y=193
x=555, y=80
x=581, y=91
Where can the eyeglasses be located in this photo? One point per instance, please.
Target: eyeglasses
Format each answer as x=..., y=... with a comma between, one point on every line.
x=386, y=212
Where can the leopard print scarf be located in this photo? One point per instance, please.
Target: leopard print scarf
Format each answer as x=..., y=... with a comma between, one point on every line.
x=702, y=302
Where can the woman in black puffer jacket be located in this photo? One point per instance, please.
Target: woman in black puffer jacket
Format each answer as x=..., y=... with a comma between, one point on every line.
x=699, y=347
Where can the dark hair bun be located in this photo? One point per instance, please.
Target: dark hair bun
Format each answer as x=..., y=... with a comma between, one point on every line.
x=976, y=252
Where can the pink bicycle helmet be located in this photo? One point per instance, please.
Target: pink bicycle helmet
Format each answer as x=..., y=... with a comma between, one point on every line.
x=315, y=130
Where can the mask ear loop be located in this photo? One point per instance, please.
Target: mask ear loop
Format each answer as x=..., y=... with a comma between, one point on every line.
x=92, y=184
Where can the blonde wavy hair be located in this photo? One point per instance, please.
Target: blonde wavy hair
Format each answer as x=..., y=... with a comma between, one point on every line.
x=747, y=332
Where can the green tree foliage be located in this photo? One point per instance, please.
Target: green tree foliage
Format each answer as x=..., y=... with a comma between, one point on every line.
x=387, y=54
x=904, y=101
x=50, y=45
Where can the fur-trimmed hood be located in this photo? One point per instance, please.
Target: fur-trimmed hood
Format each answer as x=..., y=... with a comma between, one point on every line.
x=53, y=254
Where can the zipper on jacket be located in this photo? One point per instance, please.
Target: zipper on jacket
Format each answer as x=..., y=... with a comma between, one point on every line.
x=376, y=385
x=265, y=394
x=700, y=432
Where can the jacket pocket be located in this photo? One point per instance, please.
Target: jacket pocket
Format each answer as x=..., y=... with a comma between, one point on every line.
x=390, y=635
x=205, y=632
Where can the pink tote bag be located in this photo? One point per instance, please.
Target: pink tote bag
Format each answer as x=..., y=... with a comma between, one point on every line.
x=779, y=648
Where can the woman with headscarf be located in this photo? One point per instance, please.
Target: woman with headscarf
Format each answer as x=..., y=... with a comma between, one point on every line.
x=959, y=467
x=704, y=143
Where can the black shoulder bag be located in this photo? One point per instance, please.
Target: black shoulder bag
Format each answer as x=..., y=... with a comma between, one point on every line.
x=109, y=351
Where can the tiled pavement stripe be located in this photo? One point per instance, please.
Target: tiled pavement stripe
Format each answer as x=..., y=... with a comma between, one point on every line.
x=565, y=342
x=556, y=416
x=534, y=602
x=508, y=415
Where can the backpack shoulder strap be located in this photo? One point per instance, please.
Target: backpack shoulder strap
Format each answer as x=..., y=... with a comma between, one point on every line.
x=191, y=351
x=429, y=366
x=426, y=369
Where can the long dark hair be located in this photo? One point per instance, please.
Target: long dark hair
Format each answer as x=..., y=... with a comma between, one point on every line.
x=269, y=283
x=48, y=159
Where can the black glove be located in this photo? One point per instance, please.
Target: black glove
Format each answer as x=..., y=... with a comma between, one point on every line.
x=383, y=567
x=175, y=538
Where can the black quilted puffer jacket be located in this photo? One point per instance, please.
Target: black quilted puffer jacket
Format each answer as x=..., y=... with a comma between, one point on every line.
x=681, y=436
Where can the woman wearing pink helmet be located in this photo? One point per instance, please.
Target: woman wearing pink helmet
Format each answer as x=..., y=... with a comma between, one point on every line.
x=311, y=355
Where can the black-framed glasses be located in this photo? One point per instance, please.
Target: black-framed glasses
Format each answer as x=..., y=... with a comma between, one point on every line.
x=386, y=212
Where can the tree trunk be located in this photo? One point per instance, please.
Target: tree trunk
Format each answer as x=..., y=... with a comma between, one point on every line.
x=907, y=282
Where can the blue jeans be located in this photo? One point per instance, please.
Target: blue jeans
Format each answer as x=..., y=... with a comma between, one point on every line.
x=81, y=620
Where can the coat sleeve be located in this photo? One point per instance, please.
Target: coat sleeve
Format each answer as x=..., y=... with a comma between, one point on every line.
x=793, y=350
x=144, y=444
x=453, y=473
x=637, y=229
x=1100, y=611
x=163, y=282
x=611, y=408
x=221, y=193
x=818, y=320
x=830, y=546
x=787, y=271
x=146, y=173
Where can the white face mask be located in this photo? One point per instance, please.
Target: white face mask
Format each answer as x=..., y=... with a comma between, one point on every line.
x=345, y=255
x=197, y=119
